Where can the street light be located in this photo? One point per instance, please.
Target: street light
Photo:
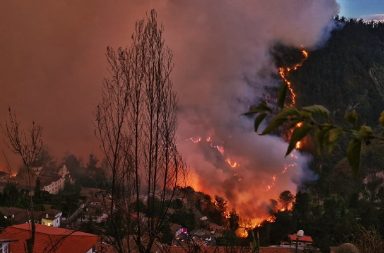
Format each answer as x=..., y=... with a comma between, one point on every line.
x=299, y=234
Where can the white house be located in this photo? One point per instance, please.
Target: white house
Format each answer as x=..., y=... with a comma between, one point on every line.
x=57, y=184
x=51, y=218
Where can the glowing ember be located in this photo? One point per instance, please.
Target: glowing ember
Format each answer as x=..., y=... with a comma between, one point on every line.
x=231, y=163
x=195, y=139
x=299, y=144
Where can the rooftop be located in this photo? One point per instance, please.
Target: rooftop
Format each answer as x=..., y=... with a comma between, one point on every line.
x=305, y=238
x=49, y=239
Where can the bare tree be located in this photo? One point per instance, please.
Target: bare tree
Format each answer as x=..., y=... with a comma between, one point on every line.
x=28, y=146
x=136, y=123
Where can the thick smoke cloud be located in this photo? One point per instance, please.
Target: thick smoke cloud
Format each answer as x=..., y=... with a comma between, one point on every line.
x=52, y=64
x=224, y=65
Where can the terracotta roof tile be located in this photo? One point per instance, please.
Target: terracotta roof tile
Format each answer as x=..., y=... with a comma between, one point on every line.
x=305, y=238
x=49, y=239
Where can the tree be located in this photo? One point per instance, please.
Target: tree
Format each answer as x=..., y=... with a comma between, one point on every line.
x=286, y=198
x=28, y=146
x=37, y=190
x=316, y=121
x=136, y=123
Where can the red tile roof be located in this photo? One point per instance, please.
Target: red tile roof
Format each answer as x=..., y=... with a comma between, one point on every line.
x=49, y=239
x=305, y=238
x=223, y=249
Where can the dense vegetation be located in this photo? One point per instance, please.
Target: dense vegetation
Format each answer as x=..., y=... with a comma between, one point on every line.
x=347, y=73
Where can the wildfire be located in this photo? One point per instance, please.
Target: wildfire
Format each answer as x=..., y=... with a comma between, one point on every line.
x=209, y=140
x=285, y=71
x=252, y=220
x=241, y=232
x=255, y=222
x=246, y=222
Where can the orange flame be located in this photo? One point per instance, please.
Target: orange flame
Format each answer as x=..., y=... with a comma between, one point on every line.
x=241, y=232
x=246, y=222
x=231, y=163
x=285, y=71
x=250, y=222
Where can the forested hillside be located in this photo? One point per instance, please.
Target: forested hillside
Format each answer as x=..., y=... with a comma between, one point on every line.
x=344, y=74
x=347, y=72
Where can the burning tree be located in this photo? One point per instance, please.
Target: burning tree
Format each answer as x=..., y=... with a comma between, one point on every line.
x=136, y=123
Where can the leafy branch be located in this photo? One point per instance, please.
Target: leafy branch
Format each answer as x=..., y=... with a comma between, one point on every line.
x=315, y=121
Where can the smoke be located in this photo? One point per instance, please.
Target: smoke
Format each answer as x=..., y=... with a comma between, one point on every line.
x=223, y=63
x=52, y=64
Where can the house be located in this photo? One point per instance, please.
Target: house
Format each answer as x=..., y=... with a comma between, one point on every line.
x=51, y=178
x=15, y=215
x=97, y=204
x=54, y=183
x=303, y=241
x=54, y=186
x=49, y=239
x=51, y=218
x=4, y=246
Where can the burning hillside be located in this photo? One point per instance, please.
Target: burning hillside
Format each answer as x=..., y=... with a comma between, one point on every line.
x=222, y=64
x=234, y=171
x=228, y=74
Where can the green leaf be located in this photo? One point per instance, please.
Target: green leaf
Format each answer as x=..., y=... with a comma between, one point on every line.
x=381, y=119
x=353, y=154
x=334, y=134
x=259, y=119
x=282, y=95
x=317, y=109
x=260, y=108
x=351, y=117
x=298, y=134
x=365, y=132
x=280, y=119
x=319, y=137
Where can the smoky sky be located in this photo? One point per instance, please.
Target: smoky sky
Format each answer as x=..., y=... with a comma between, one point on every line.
x=52, y=64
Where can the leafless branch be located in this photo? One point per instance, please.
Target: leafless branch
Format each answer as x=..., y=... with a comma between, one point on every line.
x=28, y=146
x=136, y=124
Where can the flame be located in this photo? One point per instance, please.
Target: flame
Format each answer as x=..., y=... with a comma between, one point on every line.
x=246, y=222
x=251, y=220
x=232, y=164
x=230, y=161
x=299, y=144
x=195, y=139
x=241, y=232
x=192, y=180
x=285, y=71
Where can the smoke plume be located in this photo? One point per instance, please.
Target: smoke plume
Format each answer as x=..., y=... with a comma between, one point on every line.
x=52, y=64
